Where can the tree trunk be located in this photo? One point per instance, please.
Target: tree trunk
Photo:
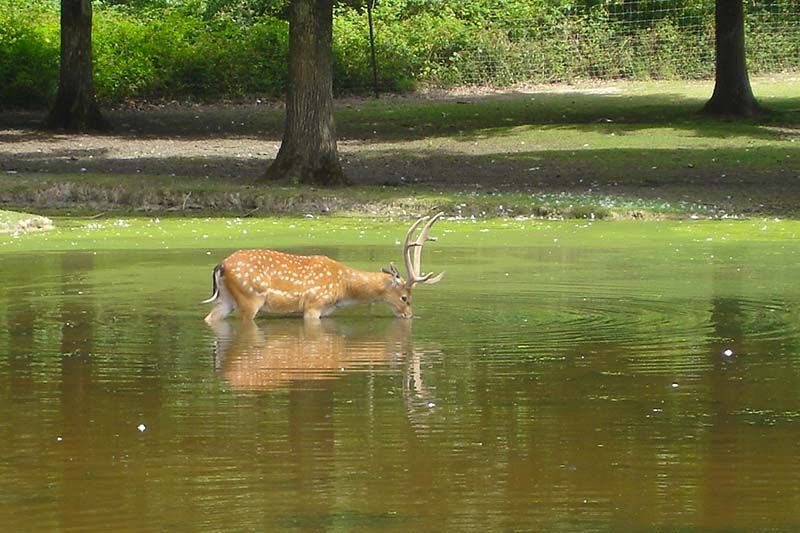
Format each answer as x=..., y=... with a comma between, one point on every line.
x=732, y=92
x=308, y=152
x=75, y=107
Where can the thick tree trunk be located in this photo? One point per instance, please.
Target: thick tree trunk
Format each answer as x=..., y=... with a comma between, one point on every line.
x=308, y=152
x=732, y=92
x=75, y=107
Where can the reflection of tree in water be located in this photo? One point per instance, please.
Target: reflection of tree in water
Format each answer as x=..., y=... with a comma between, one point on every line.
x=21, y=322
x=77, y=332
x=727, y=320
x=725, y=342
x=751, y=373
x=20, y=379
x=110, y=382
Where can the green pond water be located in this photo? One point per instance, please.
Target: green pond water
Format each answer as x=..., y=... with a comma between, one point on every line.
x=565, y=376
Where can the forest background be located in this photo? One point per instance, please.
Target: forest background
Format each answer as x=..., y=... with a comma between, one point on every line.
x=212, y=50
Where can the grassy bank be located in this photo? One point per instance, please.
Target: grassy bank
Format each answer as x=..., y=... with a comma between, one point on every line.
x=623, y=150
x=100, y=196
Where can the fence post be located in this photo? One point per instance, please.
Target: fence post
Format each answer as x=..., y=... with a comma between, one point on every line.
x=370, y=6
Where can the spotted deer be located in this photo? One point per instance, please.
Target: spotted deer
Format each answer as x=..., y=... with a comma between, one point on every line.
x=315, y=285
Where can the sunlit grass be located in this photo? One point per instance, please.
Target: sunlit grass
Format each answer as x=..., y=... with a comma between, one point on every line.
x=616, y=150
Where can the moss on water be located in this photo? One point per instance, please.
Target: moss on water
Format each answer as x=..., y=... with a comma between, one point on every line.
x=313, y=235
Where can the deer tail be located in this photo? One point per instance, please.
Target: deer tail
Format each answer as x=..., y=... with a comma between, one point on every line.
x=215, y=281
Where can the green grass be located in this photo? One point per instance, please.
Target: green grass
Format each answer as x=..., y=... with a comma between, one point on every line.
x=661, y=118
x=614, y=150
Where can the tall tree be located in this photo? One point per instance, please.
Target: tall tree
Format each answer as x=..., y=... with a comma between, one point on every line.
x=75, y=107
x=732, y=92
x=308, y=152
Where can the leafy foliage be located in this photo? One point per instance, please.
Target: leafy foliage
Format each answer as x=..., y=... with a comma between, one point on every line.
x=29, y=40
x=212, y=49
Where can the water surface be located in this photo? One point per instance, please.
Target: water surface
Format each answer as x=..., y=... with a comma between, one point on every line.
x=563, y=376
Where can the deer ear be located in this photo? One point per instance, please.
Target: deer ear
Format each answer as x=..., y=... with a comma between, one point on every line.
x=395, y=275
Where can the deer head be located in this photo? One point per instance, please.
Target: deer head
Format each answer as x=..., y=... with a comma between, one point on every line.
x=398, y=295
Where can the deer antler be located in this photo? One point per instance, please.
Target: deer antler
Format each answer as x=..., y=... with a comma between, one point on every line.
x=412, y=253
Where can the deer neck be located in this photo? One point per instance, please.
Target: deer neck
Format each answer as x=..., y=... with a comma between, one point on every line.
x=362, y=286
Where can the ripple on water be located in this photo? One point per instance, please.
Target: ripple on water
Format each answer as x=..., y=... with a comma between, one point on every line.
x=655, y=331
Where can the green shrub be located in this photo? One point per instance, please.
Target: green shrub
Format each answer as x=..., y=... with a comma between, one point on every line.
x=212, y=49
x=179, y=54
x=407, y=50
x=124, y=62
x=29, y=52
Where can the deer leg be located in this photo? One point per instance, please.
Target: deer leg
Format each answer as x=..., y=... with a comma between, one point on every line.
x=223, y=306
x=247, y=303
x=248, y=309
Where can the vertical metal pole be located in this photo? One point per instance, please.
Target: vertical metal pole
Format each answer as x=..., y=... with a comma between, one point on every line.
x=370, y=6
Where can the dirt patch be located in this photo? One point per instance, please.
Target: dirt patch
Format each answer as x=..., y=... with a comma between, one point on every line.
x=234, y=144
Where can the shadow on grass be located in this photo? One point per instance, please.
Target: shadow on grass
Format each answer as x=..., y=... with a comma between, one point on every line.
x=408, y=119
x=640, y=166
x=499, y=115
x=768, y=175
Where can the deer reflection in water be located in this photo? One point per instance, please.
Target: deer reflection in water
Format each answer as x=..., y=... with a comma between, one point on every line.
x=277, y=353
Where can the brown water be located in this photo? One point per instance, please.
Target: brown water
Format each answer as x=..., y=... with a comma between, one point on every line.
x=570, y=388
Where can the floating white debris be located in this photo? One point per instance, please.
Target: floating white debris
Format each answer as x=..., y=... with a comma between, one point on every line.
x=59, y=438
x=674, y=385
x=142, y=428
x=727, y=352
x=431, y=405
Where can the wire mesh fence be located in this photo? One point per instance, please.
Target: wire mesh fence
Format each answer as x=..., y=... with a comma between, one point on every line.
x=612, y=39
x=164, y=52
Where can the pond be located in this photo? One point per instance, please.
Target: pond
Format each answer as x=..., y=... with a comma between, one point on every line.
x=566, y=376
